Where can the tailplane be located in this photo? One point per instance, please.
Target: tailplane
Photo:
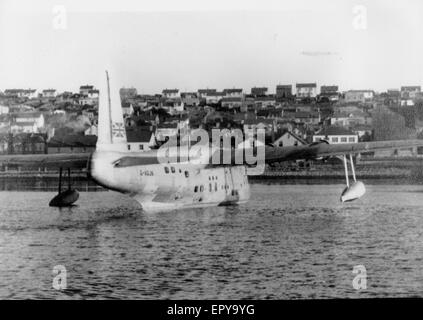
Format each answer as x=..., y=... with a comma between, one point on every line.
x=111, y=126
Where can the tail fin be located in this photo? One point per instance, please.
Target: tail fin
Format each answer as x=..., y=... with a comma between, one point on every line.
x=111, y=127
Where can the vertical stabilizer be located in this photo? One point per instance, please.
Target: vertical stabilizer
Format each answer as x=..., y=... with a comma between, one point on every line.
x=111, y=126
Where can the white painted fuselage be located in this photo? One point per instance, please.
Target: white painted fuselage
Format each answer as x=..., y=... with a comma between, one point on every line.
x=163, y=187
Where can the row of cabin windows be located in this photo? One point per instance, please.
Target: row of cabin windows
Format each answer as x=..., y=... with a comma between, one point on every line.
x=166, y=169
x=212, y=178
x=201, y=188
x=141, y=147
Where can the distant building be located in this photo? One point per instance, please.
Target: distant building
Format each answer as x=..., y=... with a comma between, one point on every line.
x=20, y=93
x=91, y=131
x=127, y=109
x=258, y=91
x=30, y=122
x=140, y=139
x=265, y=101
x=93, y=94
x=84, y=90
x=171, y=93
x=284, y=92
x=190, y=99
x=48, y=93
x=410, y=92
x=233, y=92
x=202, y=93
x=329, y=92
x=4, y=109
x=289, y=139
x=232, y=102
x=214, y=97
x=306, y=91
x=362, y=96
x=350, y=119
x=336, y=135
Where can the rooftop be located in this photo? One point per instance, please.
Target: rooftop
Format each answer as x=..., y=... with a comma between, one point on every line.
x=335, y=131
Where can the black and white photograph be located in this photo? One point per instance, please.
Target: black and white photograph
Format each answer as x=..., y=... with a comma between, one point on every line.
x=211, y=151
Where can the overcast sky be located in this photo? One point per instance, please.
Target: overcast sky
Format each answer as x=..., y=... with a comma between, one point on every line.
x=216, y=44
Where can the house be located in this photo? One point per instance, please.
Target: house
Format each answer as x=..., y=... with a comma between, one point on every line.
x=30, y=122
x=350, y=119
x=84, y=90
x=173, y=105
x=284, y=92
x=4, y=109
x=20, y=108
x=410, y=92
x=127, y=109
x=73, y=143
x=140, y=139
x=258, y=91
x=202, y=93
x=253, y=124
x=306, y=91
x=214, y=97
x=289, y=139
x=303, y=117
x=48, y=93
x=4, y=122
x=336, y=135
x=329, y=93
x=232, y=102
x=170, y=93
x=91, y=130
x=362, y=96
x=265, y=101
x=21, y=93
x=93, y=94
x=190, y=99
x=233, y=93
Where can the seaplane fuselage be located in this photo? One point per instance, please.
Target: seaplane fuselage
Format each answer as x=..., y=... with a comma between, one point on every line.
x=159, y=187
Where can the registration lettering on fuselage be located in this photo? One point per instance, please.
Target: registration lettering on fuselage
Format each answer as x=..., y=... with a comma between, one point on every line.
x=147, y=173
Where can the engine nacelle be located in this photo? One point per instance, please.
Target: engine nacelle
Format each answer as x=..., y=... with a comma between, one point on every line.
x=353, y=192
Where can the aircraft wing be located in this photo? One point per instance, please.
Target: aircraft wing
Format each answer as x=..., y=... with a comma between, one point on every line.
x=323, y=149
x=64, y=160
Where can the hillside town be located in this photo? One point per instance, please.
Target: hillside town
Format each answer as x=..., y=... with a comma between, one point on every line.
x=46, y=121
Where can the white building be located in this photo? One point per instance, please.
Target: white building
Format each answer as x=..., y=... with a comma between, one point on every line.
x=359, y=96
x=306, y=90
x=170, y=93
x=48, y=93
x=4, y=109
x=31, y=122
x=336, y=135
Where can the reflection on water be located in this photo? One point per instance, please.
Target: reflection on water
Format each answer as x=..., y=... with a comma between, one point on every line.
x=289, y=241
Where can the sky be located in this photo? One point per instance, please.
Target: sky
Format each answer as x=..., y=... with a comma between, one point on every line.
x=192, y=44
